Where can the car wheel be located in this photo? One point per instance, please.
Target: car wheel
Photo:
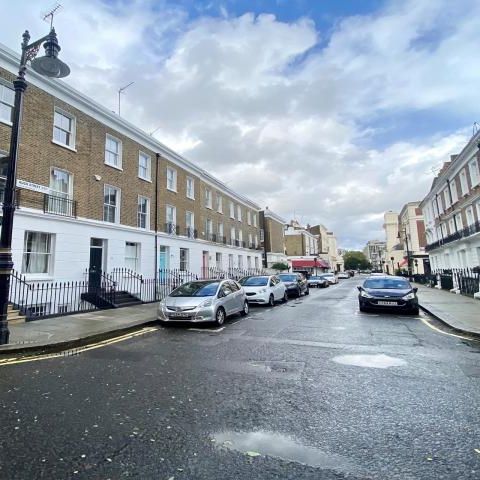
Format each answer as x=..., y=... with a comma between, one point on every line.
x=307, y=291
x=245, y=310
x=415, y=311
x=285, y=297
x=299, y=292
x=271, y=301
x=362, y=309
x=220, y=317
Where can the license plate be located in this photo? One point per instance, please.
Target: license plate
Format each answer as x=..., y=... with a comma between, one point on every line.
x=387, y=304
x=179, y=315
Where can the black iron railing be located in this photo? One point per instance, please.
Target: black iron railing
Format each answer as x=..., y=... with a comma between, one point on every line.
x=171, y=228
x=62, y=206
x=465, y=280
x=190, y=232
x=465, y=232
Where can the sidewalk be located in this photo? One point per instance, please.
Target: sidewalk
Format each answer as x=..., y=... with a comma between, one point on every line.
x=460, y=312
x=77, y=329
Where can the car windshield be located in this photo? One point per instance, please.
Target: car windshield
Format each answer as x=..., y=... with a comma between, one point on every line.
x=254, y=281
x=387, y=283
x=196, y=289
x=328, y=275
x=288, y=278
x=313, y=277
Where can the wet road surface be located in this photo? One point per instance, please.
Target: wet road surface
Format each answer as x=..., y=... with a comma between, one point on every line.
x=308, y=390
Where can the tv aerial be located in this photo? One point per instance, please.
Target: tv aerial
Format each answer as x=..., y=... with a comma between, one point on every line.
x=49, y=14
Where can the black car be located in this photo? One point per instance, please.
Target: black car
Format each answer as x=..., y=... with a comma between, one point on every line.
x=295, y=283
x=388, y=292
x=317, y=281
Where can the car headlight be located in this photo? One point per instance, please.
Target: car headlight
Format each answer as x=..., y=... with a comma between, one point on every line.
x=364, y=294
x=162, y=304
x=206, y=303
x=409, y=296
x=262, y=290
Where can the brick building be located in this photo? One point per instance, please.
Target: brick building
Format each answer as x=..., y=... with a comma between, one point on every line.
x=272, y=238
x=96, y=191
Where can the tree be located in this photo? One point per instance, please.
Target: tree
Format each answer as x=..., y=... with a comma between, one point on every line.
x=355, y=260
x=280, y=266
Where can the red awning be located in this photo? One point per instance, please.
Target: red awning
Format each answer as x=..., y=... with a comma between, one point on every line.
x=403, y=262
x=323, y=264
x=304, y=263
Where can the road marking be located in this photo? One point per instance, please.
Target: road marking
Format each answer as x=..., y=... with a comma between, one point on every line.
x=206, y=329
x=104, y=343
x=425, y=322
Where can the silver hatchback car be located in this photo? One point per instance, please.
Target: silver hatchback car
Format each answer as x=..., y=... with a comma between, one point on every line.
x=204, y=301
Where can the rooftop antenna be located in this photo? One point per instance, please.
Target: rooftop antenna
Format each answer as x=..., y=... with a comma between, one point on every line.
x=475, y=128
x=156, y=130
x=48, y=15
x=120, y=91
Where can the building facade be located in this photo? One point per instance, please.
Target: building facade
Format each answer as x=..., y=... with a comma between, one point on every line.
x=452, y=211
x=94, y=191
x=375, y=251
x=394, y=251
x=272, y=237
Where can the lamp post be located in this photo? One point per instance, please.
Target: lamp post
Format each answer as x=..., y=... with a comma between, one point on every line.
x=49, y=66
x=409, y=266
x=393, y=266
x=416, y=266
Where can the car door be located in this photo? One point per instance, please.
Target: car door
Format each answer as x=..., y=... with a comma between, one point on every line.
x=237, y=296
x=279, y=288
x=301, y=282
x=228, y=300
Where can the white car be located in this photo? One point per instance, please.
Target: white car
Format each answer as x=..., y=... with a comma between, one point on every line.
x=343, y=275
x=331, y=277
x=264, y=289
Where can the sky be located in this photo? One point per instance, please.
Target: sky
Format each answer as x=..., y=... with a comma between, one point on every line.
x=329, y=111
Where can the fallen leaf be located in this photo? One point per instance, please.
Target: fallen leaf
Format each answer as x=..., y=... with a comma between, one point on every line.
x=477, y=450
x=251, y=453
x=429, y=459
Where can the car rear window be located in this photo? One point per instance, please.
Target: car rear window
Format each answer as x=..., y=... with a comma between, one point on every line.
x=254, y=281
x=288, y=278
x=196, y=289
x=387, y=283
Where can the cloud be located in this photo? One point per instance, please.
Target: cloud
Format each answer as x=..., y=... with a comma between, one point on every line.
x=276, y=113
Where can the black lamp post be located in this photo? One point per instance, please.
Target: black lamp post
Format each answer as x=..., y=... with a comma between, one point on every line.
x=416, y=266
x=49, y=66
x=393, y=266
x=409, y=263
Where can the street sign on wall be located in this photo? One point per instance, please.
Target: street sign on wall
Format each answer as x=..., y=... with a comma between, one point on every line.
x=35, y=187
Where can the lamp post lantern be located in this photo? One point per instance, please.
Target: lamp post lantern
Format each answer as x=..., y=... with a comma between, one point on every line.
x=409, y=262
x=49, y=66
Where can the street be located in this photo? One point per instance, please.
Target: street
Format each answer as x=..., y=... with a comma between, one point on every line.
x=312, y=389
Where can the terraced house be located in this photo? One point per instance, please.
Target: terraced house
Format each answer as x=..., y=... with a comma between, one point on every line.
x=452, y=211
x=97, y=193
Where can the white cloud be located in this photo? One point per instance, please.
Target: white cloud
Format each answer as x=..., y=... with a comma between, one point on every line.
x=257, y=102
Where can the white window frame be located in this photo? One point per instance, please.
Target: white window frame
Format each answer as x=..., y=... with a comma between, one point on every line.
x=464, y=182
x=136, y=258
x=254, y=219
x=469, y=210
x=190, y=191
x=190, y=224
x=146, y=214
x=117, y=205
x=148, y=176
x=250, y=240
x=49, y=253
x=54, y=205
x=219, y=205
x=446, y=197
x=219, y=260
x=453, y=188
x=72, y=132
x=118, y=166
x=185, y=260
x=208, y=198
x=232, y=210
x=4, y=101
x=174, y=210
x=233, y=235
x=220, y=230
x=171, y=179
x=240, y=235
x=249, y=217
x=474, y=172
x=459, y=221
x=239, y=213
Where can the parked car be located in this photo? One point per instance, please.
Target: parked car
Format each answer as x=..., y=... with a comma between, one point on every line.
x=388, y=292
x=295, y=283
x=351, y=273
x=264, y=289
x=204, y=301
x=331, y=277
x=343, y=275
x=317, y=281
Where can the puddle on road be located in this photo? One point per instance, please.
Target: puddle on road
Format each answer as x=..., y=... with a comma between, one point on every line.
x=370, y=361
x=280, y=446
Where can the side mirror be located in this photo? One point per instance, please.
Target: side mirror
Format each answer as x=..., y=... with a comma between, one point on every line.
x=415, y=290
x=221, y=294
x=359, y=288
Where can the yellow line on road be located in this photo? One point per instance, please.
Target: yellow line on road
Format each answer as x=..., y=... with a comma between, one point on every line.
x=104, y=343
x=441, y=331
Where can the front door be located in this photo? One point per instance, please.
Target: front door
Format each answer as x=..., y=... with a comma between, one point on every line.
x=96, y=263
x=205, y=264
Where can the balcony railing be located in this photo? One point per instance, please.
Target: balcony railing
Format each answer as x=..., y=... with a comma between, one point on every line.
x=211, y=237
x=171, y=228
x=62, y=206
x=190, y=232
x=466, y=232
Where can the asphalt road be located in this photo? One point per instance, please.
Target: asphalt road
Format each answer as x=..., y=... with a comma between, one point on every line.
x=308, y=390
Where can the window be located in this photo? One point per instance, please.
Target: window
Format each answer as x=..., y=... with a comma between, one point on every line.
x=143, y=212
x=3, y=177
x=208, y=198
x=59, y=201
x=474, y=173
x=144, y=166
x=458, y=220
x=230, y=260
x=240, y=236
x=250, y=240
x=249, y=262
x=37, y=253
x=240, y=261
x=208, y=229
x=184, y=259
x=219, y=205
x=256, y=241
x=256, y=262
x=220, y=232
x=453, y=188
x=446, y=197
x=171, y=215
x=218, y=260
x=469, y=216
x=463, y=182
x=7, y=99
x=239, y=213
x=443, y=226
x=111, y=204
x=191, y=188
x=171, y=179
x=232, y=235
x=249, y=217
x=254, y=219
x=64, y=128
x=451, y=226
x=478, y=210
x=190, y=224
x=232, y=210
x=132, y=256
x=113, y=152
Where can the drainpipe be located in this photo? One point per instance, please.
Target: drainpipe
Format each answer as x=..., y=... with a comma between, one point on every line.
x=438, y=210
x=157, y=161
x=451, y=203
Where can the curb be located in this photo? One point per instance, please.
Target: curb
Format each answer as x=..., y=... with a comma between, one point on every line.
x=473, y=335
x=76, y=342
